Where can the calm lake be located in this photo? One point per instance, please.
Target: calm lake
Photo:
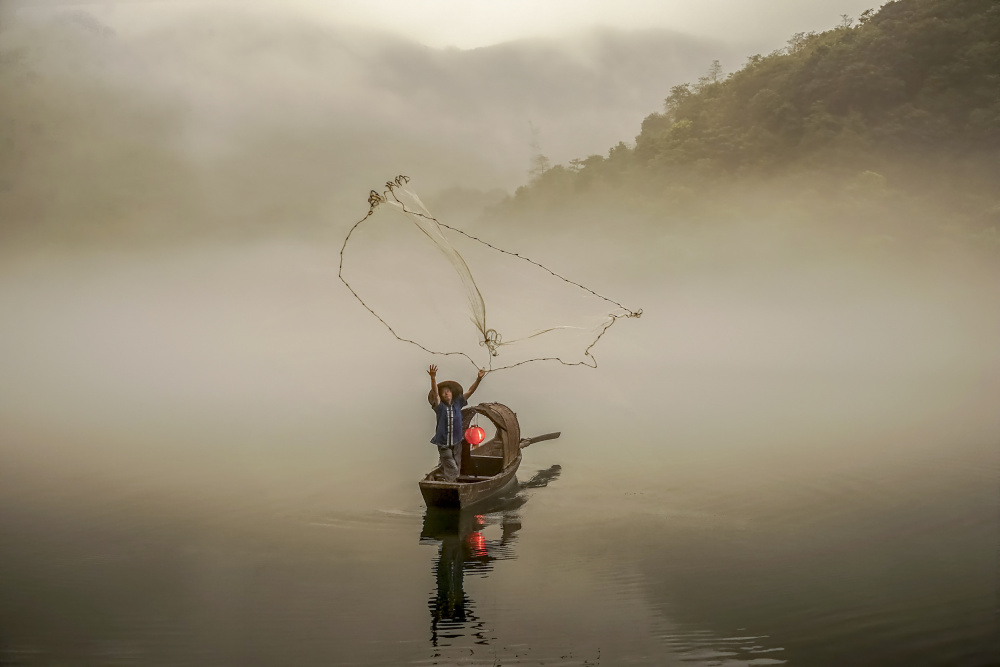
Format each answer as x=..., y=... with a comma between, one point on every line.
x=211, y=458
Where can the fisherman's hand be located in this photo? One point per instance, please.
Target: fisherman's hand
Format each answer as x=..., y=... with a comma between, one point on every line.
x=481, y=374
x=432, y=371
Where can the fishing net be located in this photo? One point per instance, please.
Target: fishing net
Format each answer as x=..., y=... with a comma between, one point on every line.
x=415, y=274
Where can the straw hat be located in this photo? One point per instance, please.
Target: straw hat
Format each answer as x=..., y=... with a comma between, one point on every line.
x=456, y=390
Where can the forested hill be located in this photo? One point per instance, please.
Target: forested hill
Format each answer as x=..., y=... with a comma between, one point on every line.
x=917, y=75
x=868, y=104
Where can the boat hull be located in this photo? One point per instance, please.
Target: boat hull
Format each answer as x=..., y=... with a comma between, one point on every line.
x=467, y=491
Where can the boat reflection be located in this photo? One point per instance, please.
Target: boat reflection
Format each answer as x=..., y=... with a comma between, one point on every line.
x=464, y=548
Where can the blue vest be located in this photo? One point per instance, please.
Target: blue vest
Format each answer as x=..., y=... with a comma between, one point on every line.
x=449, y=415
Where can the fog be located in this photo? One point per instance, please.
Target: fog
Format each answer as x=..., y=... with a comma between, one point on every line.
x=238, y=355
x=175, y=196
x=228, y=422
x=184, y=372
x=226, y=121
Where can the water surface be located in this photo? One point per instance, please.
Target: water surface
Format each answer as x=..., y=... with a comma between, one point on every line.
x=211, y=457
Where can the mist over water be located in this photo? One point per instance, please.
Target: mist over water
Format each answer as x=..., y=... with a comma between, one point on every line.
x=212, y=453
x=209, y=450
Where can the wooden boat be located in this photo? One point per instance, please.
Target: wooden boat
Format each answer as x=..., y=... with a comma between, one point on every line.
x=486, y=470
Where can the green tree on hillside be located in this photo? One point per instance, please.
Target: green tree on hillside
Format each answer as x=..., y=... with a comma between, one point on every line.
x=893, y=116
x=918, y=76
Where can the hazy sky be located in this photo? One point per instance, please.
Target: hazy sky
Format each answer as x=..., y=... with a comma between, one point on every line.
x=471, y=23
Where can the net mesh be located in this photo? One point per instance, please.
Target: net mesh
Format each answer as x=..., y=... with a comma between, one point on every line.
x=412, y=272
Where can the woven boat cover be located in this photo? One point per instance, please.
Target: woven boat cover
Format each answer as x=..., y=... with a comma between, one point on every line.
x=507, y=442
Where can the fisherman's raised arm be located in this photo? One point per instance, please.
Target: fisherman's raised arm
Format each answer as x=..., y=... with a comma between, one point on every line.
x=434, y=396
x=475, y=385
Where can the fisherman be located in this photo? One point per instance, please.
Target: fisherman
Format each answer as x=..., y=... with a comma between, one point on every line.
x=447, y=400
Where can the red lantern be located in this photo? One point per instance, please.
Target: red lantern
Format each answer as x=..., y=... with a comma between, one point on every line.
x=475, y=435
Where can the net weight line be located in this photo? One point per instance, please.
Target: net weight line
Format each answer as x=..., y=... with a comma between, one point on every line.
x=491, y=339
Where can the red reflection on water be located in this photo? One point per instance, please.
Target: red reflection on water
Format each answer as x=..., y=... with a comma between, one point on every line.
x=476, y=541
